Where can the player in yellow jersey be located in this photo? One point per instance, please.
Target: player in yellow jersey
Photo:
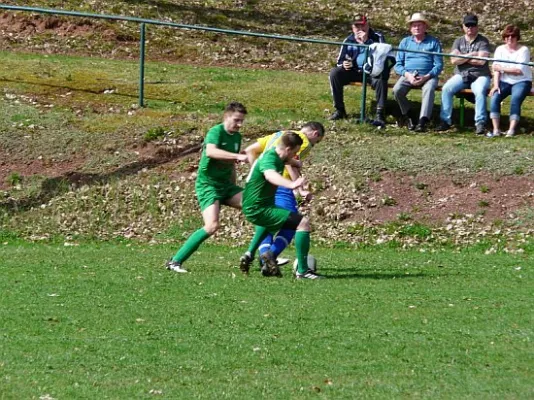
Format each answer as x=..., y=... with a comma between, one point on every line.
x=311, y=133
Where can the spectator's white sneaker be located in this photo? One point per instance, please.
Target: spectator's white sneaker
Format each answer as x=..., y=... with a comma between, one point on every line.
x=493, y=134
x=509, y=134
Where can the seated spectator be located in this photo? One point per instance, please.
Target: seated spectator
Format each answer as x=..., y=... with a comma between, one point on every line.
x=469, y=73
x=417, y=70
x=509, y=79
x=349, y=68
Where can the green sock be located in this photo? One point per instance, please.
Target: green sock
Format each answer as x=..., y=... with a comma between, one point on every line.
x=259, y=234
x=302, y=243
x=190, y=245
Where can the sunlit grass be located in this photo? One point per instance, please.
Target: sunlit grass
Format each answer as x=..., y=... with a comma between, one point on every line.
x=106, y=320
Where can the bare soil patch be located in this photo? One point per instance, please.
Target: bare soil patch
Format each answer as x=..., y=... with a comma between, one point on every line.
x=434, y=198
x=25, y=25
x=391, y=197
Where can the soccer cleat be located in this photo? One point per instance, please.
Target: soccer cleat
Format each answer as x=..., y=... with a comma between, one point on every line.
x=309, y=274
x=244, y=263
x=175, y=266
x=279, y=261
x=269, y=265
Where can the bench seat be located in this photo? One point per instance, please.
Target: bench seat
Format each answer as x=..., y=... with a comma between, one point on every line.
x=462, y=94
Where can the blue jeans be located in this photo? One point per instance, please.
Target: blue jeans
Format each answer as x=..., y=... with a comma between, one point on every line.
x=480, y=88
x=519, y=92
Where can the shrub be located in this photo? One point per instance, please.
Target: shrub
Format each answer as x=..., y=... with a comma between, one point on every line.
x=154, y=134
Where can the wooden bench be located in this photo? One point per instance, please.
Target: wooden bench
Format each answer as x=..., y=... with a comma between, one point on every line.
x=462, y=95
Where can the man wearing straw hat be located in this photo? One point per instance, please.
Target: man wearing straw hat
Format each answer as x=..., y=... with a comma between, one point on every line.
x=417, y=70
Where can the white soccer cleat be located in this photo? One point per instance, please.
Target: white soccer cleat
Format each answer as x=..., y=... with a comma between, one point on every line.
x=309, y=274
x=175, y=266
x=312, y=264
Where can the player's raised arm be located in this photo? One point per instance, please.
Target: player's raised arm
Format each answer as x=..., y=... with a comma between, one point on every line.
x=294, y=173
x=252, y=152
x=295, y=163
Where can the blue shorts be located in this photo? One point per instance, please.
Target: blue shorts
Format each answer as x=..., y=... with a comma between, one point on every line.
x=285, y=199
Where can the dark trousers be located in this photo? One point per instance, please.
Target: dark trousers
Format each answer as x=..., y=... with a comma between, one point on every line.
x=340, y=77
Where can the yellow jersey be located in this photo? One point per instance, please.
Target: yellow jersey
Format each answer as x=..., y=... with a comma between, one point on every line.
x=270, y=141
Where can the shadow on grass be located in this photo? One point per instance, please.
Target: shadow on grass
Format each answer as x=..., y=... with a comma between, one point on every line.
x=243, y=18
x=99, y=91
x=375, y=275
x=52, y=187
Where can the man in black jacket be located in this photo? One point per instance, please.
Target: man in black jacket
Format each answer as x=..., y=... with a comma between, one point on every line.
x=349, y=68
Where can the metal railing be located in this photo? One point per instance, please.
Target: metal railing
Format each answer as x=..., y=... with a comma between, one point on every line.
x=142, y=45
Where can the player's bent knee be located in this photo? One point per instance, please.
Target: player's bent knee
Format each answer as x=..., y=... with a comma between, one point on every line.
x=304, y=225
x=211, y=228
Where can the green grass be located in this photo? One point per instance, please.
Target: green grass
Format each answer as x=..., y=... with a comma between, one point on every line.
x=100, y=135
x=107, y=321
x=189, y=99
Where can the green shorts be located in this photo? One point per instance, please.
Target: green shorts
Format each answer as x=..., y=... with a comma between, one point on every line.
x=271, y=218
x=208, y=194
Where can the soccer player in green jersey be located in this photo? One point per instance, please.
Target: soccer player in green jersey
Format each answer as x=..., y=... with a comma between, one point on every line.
x=215, y=184
x=311, y=134
x=260, y=209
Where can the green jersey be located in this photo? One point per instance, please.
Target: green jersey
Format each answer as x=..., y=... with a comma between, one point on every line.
x=213, y=172
x=259, y=193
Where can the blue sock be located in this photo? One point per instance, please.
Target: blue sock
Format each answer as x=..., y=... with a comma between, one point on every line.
x=281, y=241
x=266, y=244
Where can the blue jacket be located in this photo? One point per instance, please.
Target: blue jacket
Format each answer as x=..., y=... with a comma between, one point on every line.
x=423, y=63
x=357, y=53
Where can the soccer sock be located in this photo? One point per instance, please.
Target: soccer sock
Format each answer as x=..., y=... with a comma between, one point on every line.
x=266, y=243
x=281, y=241
x=302, y=243
x=259, y=235
x=190, y=245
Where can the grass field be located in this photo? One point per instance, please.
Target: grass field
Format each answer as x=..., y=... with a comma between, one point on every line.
x=105, y=320
x=89, y=314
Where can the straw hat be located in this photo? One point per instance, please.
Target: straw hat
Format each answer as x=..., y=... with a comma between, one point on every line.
x=418, y=17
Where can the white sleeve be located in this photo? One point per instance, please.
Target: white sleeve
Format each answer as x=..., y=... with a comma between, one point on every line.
x=498, y=55
x=524, y=56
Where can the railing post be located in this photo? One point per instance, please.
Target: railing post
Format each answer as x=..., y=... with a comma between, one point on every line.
x=142, y=67
x=364, y=88
x=462, y=111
